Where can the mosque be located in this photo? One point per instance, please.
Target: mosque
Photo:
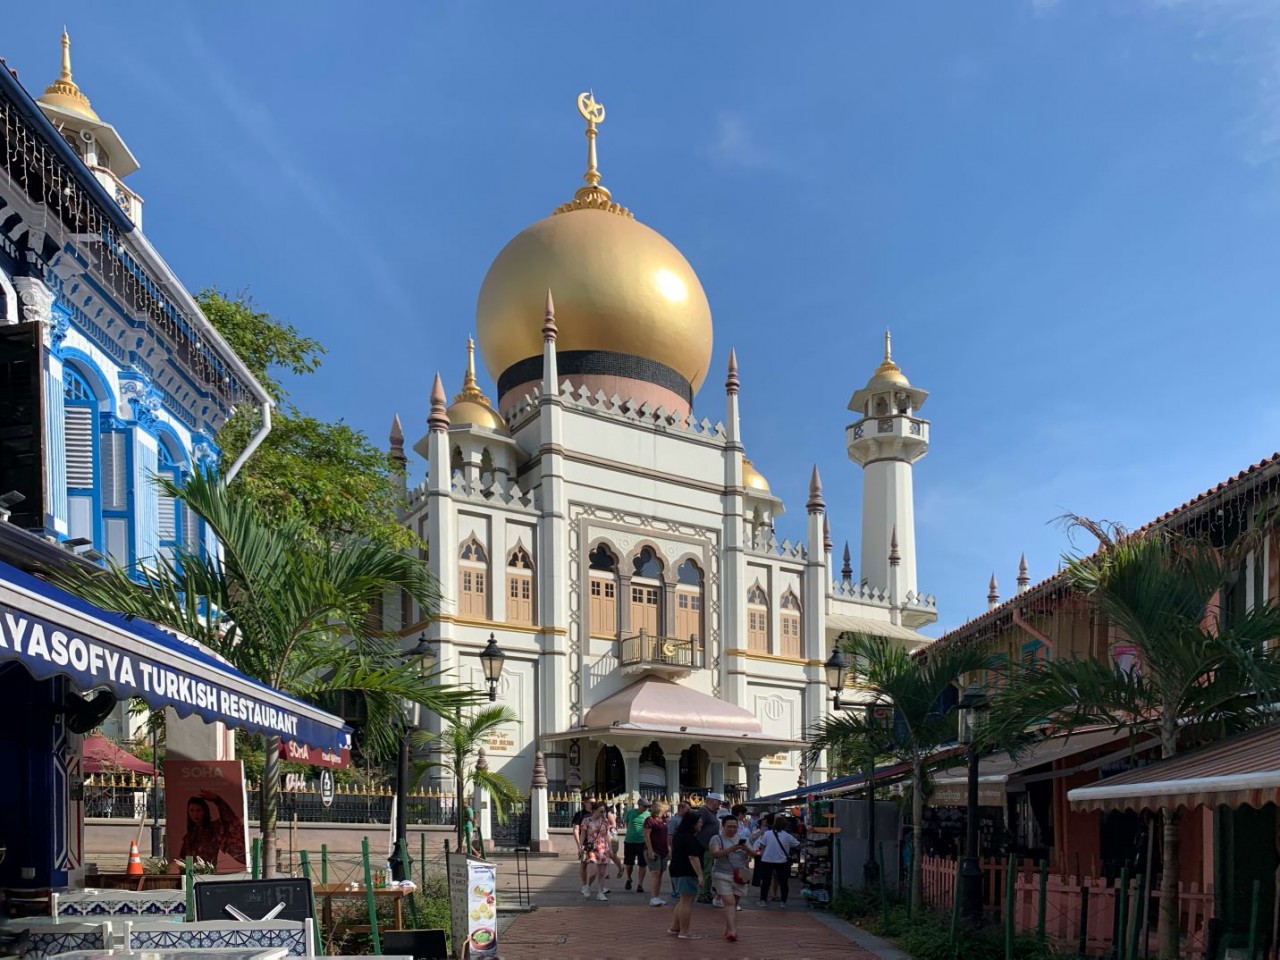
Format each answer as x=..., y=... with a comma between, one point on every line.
x=620, y=546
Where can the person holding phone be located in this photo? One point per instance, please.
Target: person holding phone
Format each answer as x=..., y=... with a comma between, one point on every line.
x=730, y=857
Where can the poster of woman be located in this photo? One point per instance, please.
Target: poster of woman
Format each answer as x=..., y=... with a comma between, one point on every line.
x=206, y=814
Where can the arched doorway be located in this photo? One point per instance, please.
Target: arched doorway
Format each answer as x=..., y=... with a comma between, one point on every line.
x=654, y=778
x=694, y=764
x=611, y=772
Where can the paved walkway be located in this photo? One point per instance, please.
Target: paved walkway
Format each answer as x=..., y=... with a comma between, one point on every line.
x=564, y=926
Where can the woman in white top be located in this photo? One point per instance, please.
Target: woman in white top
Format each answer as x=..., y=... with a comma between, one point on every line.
x=775, y=846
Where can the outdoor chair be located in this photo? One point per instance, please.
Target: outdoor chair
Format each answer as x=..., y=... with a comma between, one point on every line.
x=118, y=903
x=47, y=937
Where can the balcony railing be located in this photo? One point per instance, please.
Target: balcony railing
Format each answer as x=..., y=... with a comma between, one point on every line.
x=663, y=654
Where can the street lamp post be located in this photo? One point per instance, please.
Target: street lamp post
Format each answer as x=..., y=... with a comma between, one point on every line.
x=971, y=705
x=157, y=842
x=409, y=721
x=836, y=666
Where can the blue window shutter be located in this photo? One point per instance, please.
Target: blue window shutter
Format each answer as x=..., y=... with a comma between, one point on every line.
x=79, y=439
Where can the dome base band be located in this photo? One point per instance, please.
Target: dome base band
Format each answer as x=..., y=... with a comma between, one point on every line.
x=573, y=363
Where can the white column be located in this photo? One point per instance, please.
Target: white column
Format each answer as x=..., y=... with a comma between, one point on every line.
x=733, y=574
x=553, y=542
x=539, y=812
x=753, y=778
x=481, y=804
x=631, y=770
x=37, y=307
x=146, y=500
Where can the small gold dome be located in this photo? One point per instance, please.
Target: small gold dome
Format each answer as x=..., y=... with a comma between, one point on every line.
x=752, y=478
x=471, y=406
x=63, y=93
x=888, y=371
x=619, y=286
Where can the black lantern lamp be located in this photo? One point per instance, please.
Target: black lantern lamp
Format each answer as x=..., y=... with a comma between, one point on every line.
x=491, y=659
x=836, y=666
x=972, y=703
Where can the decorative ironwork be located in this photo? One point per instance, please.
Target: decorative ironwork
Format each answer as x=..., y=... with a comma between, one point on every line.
x=884, y=426
x=35, y=166
x=646, y=651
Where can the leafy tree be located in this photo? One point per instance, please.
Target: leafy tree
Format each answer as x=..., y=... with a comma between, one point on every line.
x=328, y=475
x=1195, y=673
x=286, y=610
x=459, y=744
x=915, y=686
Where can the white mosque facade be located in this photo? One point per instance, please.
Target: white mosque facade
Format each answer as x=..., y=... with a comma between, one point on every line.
x=620, y=547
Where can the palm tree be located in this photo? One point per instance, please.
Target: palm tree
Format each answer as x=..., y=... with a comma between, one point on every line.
x=915, y=686
x=459, y=744
x=287, y=611
x=1194, y=673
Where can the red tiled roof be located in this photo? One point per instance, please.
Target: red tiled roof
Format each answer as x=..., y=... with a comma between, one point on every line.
x=1058, y=581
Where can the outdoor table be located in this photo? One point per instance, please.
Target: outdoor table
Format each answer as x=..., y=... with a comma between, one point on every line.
x=328, y=892
x=219, y=953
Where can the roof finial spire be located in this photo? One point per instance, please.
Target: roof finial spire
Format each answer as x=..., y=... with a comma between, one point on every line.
x=816, y=502
x=594, y=195
x=993, y=593
x=731, y=382
x=1024, y=578
x=549, y=329
x=846, y=569
x=396, y=443
x=469, y=378
x=826, y=536
x=66, y=55
x=894, y=557
x=888, y=346
x=438, y=421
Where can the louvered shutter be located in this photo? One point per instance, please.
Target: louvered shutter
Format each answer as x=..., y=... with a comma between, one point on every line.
x=168, y=510
x=115, y=483
x=79, y=435
x=190, y=529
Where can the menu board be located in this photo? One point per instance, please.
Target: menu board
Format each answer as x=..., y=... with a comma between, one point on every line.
x=482, y=909
x=459, y=877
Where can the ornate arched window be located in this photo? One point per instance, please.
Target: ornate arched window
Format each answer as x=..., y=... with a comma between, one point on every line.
x=689, y=601
x=473, y=580
x=789, y=624
x=84, y=496
x=519, y=587
x=646, y=594
x=602, y=608
x=757, y=619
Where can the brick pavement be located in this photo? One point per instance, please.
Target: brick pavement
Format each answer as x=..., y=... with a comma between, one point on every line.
x=621, y=930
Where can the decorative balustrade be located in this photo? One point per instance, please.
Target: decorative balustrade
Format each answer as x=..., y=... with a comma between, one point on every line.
x=661, y=654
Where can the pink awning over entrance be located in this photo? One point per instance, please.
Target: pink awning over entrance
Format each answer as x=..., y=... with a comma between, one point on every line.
x=104, y=755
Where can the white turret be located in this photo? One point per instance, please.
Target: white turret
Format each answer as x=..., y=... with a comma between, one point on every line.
x=886, y=440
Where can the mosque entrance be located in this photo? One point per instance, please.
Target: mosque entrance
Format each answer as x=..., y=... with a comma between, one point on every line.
x=693, y=769
x=611, y=774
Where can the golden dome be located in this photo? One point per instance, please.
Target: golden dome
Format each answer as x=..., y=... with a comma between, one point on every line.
x=888, y=371
x=471, y=406
x=752, y=478
x=619, y=286
x=63, y=92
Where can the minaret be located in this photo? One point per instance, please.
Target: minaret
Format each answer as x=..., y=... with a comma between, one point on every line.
x=1024, y=578
x=993, y=593
x=553, y=539
x=734, y=574
x=886, y=440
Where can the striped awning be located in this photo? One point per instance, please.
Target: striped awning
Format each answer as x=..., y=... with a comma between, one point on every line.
x=1241, y=771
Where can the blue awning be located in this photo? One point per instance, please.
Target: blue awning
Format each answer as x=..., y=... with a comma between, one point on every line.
x=53, y=633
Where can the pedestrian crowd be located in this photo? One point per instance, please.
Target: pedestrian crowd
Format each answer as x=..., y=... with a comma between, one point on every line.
x=710, y=854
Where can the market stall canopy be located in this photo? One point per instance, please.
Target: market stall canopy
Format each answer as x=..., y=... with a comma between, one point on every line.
x=53, y=633
x=830, y=789
x=1241, y=771
x=1001, y=774
x=104, y=755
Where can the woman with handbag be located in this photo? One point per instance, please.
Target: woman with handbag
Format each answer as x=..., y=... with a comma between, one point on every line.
x=775, y=856
x=730, y=856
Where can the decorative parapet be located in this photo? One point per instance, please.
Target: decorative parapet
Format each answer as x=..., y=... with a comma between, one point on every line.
x=497, y=490
x=615, y=408
x=865, y=593
x=765, y=543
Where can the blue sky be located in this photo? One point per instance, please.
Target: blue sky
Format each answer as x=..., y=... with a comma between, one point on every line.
x=1068, y=213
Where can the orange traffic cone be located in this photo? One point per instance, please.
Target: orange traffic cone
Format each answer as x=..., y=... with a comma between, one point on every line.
x=135, y=862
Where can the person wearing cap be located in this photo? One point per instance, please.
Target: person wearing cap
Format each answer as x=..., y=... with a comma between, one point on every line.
x=633, y=843
x=708, y=827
